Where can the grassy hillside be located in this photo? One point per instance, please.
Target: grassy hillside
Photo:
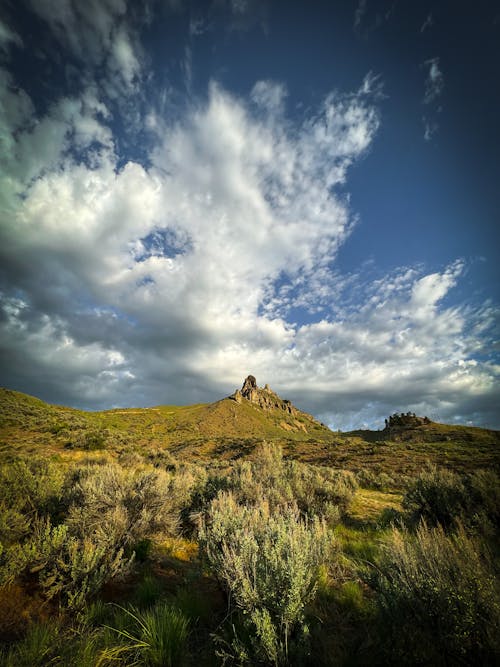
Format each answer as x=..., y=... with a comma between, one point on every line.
x=229, y=430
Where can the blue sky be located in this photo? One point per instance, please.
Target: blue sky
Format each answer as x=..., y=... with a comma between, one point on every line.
x=305, y=191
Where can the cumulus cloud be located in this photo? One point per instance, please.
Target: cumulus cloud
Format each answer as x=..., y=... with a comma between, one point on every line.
x=128, y=284
x=400, y=348
x=235, y=196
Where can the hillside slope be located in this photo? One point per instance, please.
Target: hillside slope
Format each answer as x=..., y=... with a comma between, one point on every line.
x=230, y=428
x=28, y=422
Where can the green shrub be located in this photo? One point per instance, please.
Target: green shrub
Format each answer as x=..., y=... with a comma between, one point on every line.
x=205, y=489
x=484, y=500
x=443, y=497
x=120, y=507
x=27, y=489
x=314, y=489
x=14, y=525
x=64, y=567
x=369, y=479
x=438, y=598
x=436, y=495
x=90, y=440
x=270, y=565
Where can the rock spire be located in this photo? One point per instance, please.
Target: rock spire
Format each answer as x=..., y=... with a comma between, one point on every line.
x=265, y=397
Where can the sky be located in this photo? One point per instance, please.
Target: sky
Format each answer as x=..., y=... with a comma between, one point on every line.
x=191, y=192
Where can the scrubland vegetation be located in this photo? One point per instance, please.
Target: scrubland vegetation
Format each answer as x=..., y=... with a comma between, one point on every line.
x=260, y=561
x=159, y=537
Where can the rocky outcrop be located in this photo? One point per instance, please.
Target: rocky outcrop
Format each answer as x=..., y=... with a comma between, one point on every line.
x=265, y=397
x=290, y=418
x=405, y=420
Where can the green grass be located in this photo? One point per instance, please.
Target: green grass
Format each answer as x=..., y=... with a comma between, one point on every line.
x=369, y=505
x=35, y=649
x=156, y=637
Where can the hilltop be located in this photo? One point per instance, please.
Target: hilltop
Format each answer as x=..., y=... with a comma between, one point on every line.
x=231, y=427
x=250, y=414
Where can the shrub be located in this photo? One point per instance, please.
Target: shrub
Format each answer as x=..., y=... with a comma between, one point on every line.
x=436, y=495
x=65, y=567
x=443, y=497
x=438, y=599
x=484, y=499
x=314, y=489
x=203, y=492
x=90, y=440
x=14, y=525
x=27, y=489
x=120, y=507
x=269, y=564
x=369, y=479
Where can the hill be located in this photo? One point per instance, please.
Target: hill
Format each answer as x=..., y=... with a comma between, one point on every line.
x=230, y=428
x=247, y=415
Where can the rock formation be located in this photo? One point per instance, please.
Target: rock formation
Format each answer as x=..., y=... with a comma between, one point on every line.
x=287, y=416
x=265, y=397
x=250, y=390
x=405, y=420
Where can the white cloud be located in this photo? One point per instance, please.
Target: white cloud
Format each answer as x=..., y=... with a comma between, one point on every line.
x=97, y=34
x=123, y=59
x=428, y=23
x=269, y=96
x=430, y=128
x=33, y=146
x=434, y=82
x=434, y=85
x=8, y=37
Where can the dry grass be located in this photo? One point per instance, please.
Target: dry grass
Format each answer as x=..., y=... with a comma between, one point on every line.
x=179, y=548
x=369, y=505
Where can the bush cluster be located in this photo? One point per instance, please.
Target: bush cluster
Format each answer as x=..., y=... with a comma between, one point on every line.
x=439, y=599
x=69, y=534
x=421, y=588
x=269, y=563
x=442, y=497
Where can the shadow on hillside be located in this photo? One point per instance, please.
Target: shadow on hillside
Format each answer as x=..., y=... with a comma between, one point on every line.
x=369, y=436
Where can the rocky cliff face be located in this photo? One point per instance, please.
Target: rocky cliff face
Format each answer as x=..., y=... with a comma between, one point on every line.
x=265, y=398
